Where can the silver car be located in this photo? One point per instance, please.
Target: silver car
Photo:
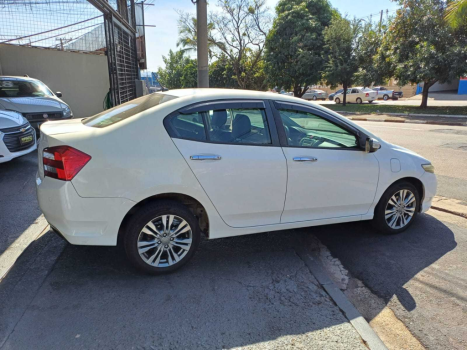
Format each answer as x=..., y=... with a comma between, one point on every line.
x=314, y=95
x=32, y=99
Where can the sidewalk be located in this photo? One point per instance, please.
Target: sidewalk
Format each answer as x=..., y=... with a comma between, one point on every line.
x=250, y=292
x=411, y=119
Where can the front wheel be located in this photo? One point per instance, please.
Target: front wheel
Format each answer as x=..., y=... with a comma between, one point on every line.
x=385, y=97
x=337, y=100
x=161, y=237
x=397, y=208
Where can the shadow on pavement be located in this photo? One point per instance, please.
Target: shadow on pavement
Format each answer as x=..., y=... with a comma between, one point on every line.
x=18, y=201
x=386, y=263
x=240, y=291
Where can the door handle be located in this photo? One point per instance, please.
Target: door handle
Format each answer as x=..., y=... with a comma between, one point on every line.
x=205, y=157
x=305, y=159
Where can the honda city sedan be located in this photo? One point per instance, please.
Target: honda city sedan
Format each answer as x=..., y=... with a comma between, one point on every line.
x=155, y=173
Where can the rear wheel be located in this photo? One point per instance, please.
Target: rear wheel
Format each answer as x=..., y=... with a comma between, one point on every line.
x=161, y=237
x=359, y=100
x=314, y=98
x=337, y=100
x=385, y=97
x=371, y=101
x=397, y=208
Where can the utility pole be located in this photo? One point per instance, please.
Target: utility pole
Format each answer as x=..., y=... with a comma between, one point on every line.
x=202, y=41
x=381, y=20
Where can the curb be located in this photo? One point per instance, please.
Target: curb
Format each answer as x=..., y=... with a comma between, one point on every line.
x=406, y=121
x=363, y=328
x=450, y=206
x=409, y=114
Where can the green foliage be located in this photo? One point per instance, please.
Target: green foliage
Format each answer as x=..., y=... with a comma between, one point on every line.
x=421, y=47
x=221, y=74
x=456, y=14
x=179, y=72
x=188, y=35
x=341, y=39
x=295, y=44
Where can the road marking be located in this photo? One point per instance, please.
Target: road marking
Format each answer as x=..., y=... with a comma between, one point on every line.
x=13, y=252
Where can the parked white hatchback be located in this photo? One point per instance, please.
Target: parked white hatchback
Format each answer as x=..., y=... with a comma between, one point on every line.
x=357, y=95
x=156, y=172
x=17, y=137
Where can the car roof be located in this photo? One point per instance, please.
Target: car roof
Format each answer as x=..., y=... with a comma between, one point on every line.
x=12, y=77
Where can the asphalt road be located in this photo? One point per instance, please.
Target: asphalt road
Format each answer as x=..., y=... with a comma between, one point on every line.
x=444, y=146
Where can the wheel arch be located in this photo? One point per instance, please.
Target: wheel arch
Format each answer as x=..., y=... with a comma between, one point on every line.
x=192, y=203
x=414, y=181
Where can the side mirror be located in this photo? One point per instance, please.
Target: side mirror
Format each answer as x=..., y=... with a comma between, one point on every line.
x=58, y=94
x=372, y=145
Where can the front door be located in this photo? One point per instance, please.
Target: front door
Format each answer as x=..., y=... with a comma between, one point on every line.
x=234, y=152
x=329, y=176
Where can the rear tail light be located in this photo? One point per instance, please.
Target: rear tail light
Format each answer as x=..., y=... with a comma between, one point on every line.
x=367, y=95
x=63, y=162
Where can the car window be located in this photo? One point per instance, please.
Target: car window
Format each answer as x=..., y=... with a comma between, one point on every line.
x=189, y=126
x=367, y=90
x=22, y=88
x=238, y=126
x=349, y=91
x=308, y=130
x=126, y=110
x=354, y=91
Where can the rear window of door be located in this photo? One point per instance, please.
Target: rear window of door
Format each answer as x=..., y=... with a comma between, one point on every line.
x=247, y=126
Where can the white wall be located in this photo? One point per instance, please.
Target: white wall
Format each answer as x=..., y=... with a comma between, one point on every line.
x=83, y=79
x=445, y=87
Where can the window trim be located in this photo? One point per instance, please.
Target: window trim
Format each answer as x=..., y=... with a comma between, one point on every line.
x=226, y=104
x=277, y=105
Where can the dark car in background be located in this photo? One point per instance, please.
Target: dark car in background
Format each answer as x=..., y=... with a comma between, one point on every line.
x=331, y=96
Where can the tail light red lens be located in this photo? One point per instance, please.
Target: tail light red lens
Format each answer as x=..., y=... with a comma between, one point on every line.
x=367, y=95
x=63, y=162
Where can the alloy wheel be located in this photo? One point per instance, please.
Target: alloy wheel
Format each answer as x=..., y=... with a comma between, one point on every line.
x=164, y=241
x=400, y=209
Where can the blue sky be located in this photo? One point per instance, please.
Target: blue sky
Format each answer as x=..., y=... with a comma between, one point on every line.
x=161, y=39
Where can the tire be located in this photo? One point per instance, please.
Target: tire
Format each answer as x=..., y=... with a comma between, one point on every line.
x=385, y=97
x=314, y=98
x=164, y=251
x=359, y=100
x=371, y=101
x=337, y=100
x=409, y=212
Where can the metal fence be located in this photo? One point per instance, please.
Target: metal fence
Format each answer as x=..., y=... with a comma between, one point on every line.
x=68, y=25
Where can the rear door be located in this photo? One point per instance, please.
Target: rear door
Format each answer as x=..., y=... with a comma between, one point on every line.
x=233, y=149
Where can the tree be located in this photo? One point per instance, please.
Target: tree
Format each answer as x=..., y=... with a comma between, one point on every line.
x=295, y=44
x=422, y=47
x=187, y=34
x=456, y=14
x=221, y=74
x=179, y=72
x=239, y=33
x=341, y=39
x=369, y=41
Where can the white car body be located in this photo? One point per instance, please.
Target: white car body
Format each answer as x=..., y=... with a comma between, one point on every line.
x=357, y=95
x=36, y=109
x=14, y=129
x=247, y=189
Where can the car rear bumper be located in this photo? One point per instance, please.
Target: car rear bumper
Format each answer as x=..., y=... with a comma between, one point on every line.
x=81, y=221
x=6, y=155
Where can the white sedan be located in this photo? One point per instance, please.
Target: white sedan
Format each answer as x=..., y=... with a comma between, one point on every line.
x=157, y=172
x=357, y=95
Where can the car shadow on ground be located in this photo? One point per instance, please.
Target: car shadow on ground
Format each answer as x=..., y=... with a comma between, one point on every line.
x=385, y=263
x=235, y=292
x=18, y=202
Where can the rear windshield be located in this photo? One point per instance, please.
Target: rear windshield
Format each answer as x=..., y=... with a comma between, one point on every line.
x=367, y=90
x=22, y=88
x=126, y=110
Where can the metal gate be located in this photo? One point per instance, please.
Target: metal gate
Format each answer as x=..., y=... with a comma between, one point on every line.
x=121, y=56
